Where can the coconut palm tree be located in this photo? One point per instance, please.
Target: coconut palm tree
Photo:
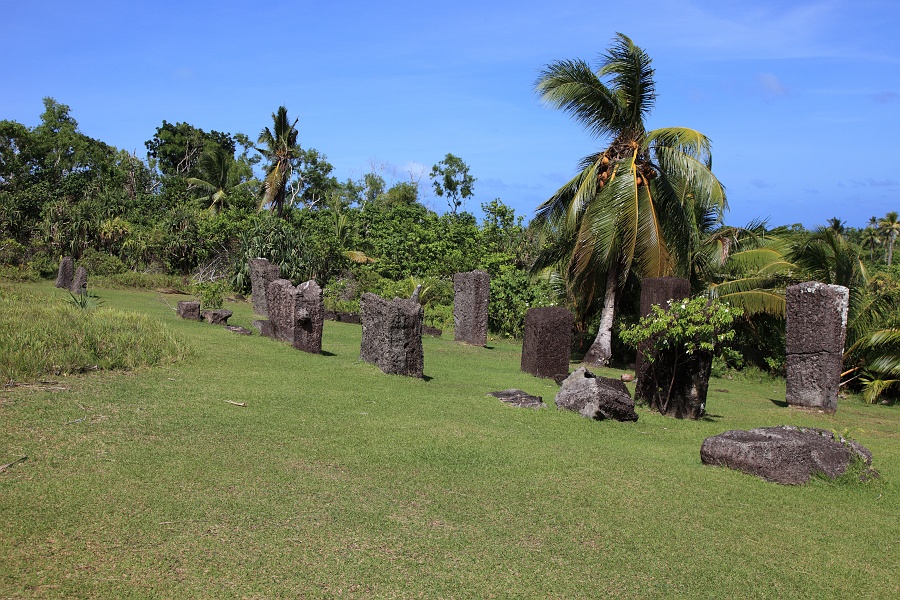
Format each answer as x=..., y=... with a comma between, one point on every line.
x=644, y=203
x=870, y=239
x=889, y=226
x=218, y=178
x=281, y=149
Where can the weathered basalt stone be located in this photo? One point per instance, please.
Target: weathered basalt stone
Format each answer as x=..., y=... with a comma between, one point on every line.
x=814, y=343
x=189, y=309
x=238, y=330
x=264, y=327
x=343, y=317
x=655, y=291
x=787, y=455
x=392, y=335
x=218, y=316
x=547, y=343
x=596, y=397
x=79, y=282
x=471, y=293
x=432, y=331
x=262, y=273
x=296, y=314
x=519, y=399
x=66, y=273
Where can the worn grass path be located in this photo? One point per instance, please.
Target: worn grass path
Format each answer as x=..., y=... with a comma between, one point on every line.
x=339, y=481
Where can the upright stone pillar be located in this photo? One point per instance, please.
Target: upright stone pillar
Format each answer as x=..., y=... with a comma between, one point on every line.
x=79, y=282
x=66, y=273
x=655, y=291
x=392, y=335
x=471, y=292
x=547, y=344
x=296, y=314
x=262, y=273
x=814, y=343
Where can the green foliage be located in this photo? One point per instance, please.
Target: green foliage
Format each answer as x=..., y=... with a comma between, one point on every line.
x=177, y=149
x=450, y=178
x=44, y=335
x=210, y=293
x=11, y=252
x=685, y=327
x=84, y=300
x=512, y=293
x=101, y=264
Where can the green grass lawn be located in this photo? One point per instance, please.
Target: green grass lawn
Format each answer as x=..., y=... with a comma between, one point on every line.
x=339, y=481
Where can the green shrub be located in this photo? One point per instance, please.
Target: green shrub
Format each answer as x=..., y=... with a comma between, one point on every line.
x=18, y=273
x=11, y=252
x=43, y=264
x=210, y=293
x=139, y=281
x=99, y=263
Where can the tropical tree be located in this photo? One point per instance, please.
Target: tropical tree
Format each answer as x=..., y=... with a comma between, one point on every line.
x=280, y=148
x=450, y=178
x=889, y=226
x=219, y=178
x=644, y=203
x=871, y=239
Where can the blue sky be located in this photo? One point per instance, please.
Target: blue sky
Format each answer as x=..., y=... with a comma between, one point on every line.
x=801, y=99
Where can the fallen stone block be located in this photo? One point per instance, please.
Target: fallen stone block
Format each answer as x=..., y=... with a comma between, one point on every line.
x=596, y=397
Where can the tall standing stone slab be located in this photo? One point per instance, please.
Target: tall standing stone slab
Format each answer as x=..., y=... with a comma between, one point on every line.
x=66, y=273
x=655, y=291
x=262, y=273
x=547, y=344
x=814, y=343
x=471, y=292
x=79, y=282
x=296, y=314
x=392, y=335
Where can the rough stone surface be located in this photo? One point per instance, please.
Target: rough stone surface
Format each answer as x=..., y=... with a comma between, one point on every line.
x=343, y=317
x=814, y=343
x=296, y=314
x=262, y=272
x=238, y=330
x=66, y=273
x=655, y=291
x=547, y=344
x=519, y=399
x=218, y=316
x=264, y=327
x=392, y=335
x=596, y=397
x=189, y=309
x=471, y=292
x=79, y=282
x=785, y=454
x=432, y=331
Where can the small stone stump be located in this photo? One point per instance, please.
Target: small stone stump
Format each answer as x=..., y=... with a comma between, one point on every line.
x=596, y=397
x=66, y=273
x=262, y=273
x=471, y=292
x=218, y=316
x=392, y=335
x=547, y=344
x=296, y=314
x=787, y=455
x=814, y=343
x=189, y=309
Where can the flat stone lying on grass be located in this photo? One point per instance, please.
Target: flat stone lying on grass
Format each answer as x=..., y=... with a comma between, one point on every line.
x=343, y=317
x=218, y=316
x=786, y=454
x=66, y=273
x=79, y=282
x=189, y=309
x=238, y=330
x=392, y=335
x=596, y=397
x=519, y=399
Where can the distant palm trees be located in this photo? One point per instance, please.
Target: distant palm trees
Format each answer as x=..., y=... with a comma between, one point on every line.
x=889, y=227
x=279, y=146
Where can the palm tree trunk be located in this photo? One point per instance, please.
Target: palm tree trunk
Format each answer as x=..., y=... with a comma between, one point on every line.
x=600, y=352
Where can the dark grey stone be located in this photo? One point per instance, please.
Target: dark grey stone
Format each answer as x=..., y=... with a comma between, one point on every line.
x=296, y=314
x=262, y=272
x=787, y=455
x=79, y=282
x=392, y=335
x=189, y=309
x=218, y=316
x=596, y=397
x=519, y=399
x=471, y=293
x=655, y=291
x=547, y=344
x=343, y=317
x=238, y=330
x=432, y=331
x=66, y=273
x=814, y=343
x=264, y=327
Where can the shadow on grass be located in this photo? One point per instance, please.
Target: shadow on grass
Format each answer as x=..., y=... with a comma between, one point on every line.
x=781, y=403
x=710, y=418
x=327, y=353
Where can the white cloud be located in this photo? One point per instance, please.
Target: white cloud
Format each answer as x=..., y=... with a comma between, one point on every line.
x=771, y=85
